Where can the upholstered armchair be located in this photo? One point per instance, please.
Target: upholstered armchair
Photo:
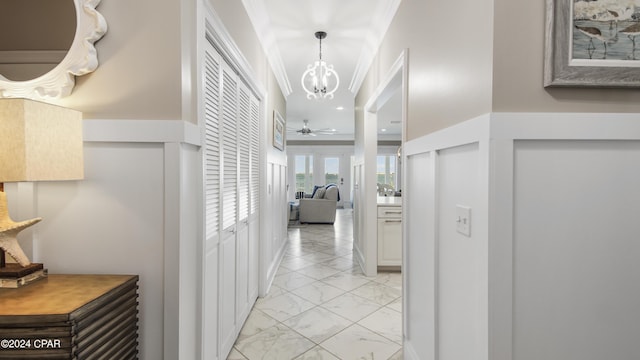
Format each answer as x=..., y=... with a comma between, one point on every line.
x=321, y=208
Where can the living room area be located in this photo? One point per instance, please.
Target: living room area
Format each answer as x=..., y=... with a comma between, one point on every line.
x=325, y=172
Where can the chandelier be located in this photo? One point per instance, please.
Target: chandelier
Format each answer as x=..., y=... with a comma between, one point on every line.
x=320, y=81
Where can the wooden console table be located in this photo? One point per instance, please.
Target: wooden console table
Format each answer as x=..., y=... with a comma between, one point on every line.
x=71, y=317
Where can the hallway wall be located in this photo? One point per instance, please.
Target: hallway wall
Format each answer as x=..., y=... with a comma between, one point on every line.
x=488, y=57
x=545, y=158
x=546, y=268
x=139, y=76
x=518, y=68
x=274, y=187
x=450, y=61
x=138, y=210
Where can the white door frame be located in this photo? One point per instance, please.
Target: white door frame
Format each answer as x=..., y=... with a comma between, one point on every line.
x=395, y=79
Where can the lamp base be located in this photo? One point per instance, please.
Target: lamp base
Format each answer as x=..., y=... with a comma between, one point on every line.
x=13, y=270
x=9, y=230
x=14, y=275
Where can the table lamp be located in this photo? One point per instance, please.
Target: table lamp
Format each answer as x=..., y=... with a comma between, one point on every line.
x=39, y=142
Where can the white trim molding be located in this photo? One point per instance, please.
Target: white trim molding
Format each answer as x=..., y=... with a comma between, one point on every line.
x=151, y=131
x=365, y=152
x=220, y=38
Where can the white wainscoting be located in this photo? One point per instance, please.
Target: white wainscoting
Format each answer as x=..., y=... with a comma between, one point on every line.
x=275, y=237
x=135, y=212
x=549, y=269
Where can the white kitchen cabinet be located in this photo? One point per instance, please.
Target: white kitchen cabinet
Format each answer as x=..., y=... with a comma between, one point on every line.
x=389, y=232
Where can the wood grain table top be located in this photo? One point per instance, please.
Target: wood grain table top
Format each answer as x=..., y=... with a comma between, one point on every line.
x=58, y=294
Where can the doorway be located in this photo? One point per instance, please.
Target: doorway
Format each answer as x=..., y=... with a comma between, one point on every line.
x=366, y=199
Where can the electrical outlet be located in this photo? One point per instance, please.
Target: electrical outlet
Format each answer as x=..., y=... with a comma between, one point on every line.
x=463, y=220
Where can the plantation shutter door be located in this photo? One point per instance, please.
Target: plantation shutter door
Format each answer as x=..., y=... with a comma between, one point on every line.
x=255, y=153
x=244, y=111
x=212, y=143
x=229, y=149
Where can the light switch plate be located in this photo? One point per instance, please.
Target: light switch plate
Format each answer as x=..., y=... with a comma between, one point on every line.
x=463, y=220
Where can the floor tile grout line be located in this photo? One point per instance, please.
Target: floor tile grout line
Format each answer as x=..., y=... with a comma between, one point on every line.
x=318, y=245
x=356, y=323
x=318, y=343
x=278, y=322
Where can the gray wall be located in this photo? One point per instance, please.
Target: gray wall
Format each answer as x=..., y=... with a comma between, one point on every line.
x=518, y=58
x=450, y=61
x=476, y=57
x=139, y=75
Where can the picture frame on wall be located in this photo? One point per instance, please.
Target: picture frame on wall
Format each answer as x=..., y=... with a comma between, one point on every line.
x=278, y=131
x=592, y=43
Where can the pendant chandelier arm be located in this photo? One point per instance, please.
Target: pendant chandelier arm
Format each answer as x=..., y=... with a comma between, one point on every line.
x=318, y=74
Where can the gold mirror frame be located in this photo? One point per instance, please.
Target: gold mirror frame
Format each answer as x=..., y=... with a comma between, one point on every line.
x=81, y=59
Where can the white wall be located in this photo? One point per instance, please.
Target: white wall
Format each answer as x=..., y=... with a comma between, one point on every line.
x=274, y=190
x=123, y=183
x=419, y=257
x=576, y=249
x=461, y=259
x=274, y=226
x=546, y=272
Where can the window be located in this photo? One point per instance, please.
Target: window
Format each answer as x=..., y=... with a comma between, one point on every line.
x=304, y=173
x=331, y=170
x=386, y=170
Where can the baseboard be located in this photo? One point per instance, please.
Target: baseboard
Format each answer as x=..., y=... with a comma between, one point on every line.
x=273, y=269
x=390, y=268
x=359, y=257
x=409, y=352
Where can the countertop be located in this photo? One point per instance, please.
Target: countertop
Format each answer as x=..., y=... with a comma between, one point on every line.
x=389, y=201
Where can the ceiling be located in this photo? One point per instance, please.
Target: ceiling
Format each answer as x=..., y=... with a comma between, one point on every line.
x=354, y=30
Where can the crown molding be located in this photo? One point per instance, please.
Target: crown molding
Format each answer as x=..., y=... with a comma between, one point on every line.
x=383, y=17
x=218, y=35
x=259, y=17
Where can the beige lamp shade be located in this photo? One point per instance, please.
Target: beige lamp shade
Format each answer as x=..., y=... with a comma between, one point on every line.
x=39, y=142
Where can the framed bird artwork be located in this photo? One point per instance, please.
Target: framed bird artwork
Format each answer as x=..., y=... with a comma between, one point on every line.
x=592, y=43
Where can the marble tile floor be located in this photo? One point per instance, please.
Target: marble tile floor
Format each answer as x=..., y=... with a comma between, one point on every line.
x=321, y=306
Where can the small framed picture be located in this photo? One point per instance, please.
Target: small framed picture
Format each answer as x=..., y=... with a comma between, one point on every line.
x=278, y=131
x=592, y=44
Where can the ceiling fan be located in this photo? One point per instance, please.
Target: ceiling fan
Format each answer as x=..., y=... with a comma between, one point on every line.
x=307, y=131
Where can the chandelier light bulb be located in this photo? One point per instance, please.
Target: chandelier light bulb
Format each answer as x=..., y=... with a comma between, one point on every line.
x=320, y=80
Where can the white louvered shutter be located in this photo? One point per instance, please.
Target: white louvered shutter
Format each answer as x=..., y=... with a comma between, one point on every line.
x=212, y=143
x=229, y=149
x=255, y=153
x=244, y=111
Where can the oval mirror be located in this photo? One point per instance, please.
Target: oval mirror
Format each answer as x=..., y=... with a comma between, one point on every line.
x=44, y=44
